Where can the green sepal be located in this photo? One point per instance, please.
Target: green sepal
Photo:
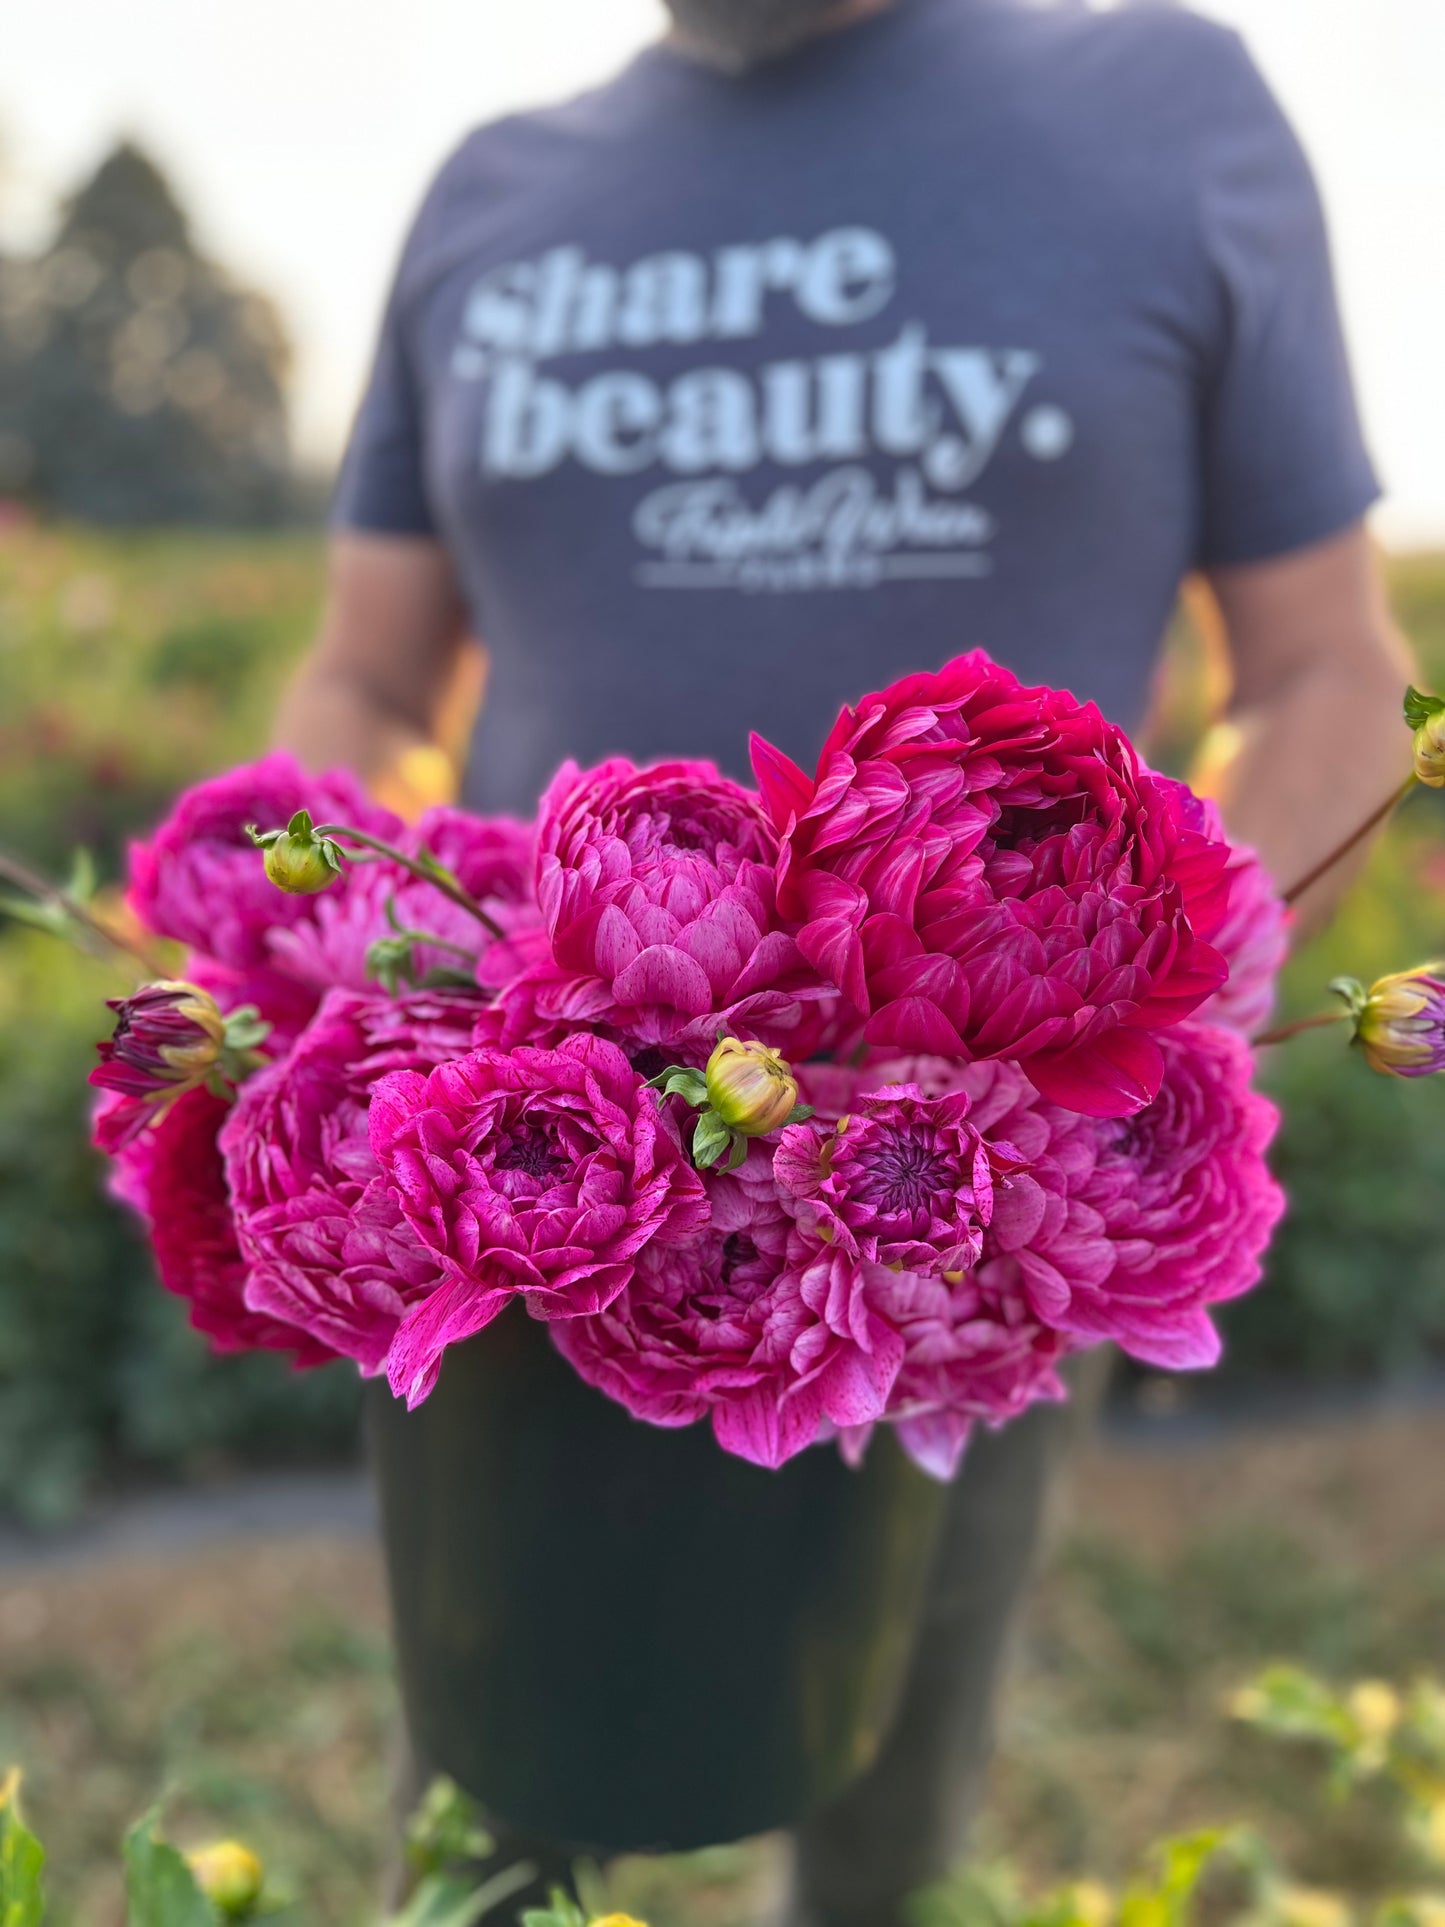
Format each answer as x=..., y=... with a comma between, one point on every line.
x=263, y=839
x=800, y=1113
x=1352, y=994
x=1420, y=707
x=738, y=1156
x=680, y=1080
x=246, y=1029
x=391, y=961
x=709, y=1140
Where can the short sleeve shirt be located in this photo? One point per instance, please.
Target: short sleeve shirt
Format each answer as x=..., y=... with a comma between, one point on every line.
x=732, y=397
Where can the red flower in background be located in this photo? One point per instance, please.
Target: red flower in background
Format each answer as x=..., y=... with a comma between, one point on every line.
x=987, y=870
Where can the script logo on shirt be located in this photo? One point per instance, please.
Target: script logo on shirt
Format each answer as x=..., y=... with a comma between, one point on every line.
x=904, y=428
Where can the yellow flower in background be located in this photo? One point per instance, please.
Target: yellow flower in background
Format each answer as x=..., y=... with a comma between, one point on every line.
x=1376, y=1709
x=1091, y=1903
x=230, y=1875
x=616, y=1920
x=1432, y=1831
x=1313, y=1907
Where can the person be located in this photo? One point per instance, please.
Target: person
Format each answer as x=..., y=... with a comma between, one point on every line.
x=831, y=338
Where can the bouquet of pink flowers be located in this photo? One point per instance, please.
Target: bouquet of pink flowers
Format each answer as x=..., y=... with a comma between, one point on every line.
x=863, y=1097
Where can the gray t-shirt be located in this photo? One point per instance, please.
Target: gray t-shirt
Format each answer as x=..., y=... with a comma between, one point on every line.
x=979, y=323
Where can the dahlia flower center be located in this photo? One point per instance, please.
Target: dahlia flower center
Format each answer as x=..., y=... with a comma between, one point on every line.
x=1023, y=828
x=902, y=1175
x=530, y=1150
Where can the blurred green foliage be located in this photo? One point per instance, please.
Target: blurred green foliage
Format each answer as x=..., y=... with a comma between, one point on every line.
x=127, y=669
x=131, y=667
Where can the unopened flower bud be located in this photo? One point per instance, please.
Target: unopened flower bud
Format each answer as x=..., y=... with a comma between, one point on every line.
x=230, y=1875
x=1400, y=1023
x=299, y=861
x=750, y=1087
x=169, y=1037
x=1430, y=751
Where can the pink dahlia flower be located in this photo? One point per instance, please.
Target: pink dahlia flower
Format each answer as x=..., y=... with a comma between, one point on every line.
x=1253, y=939
x=973, y=1353
x=490, y=856
x=777, y=1345
x=323, y=1234
x=201, y=880
x=657, y=892
x=1186, y=1200
x=172, y=1176
x=1129, y=1229
x=986, y=870
x=541, y=1173
x=905, y=1180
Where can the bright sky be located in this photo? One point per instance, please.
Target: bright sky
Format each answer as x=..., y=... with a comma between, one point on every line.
x=301, y=133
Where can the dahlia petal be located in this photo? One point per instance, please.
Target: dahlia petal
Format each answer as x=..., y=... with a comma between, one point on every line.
x=1115, y=1075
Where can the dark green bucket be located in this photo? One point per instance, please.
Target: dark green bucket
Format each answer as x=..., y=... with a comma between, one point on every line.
x=621, y=1638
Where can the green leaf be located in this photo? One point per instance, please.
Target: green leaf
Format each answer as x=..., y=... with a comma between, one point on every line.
x=449, y=1900
x=1421, y=706
x=83, y=880
x=800, y=1113
x=1166, y=1899
x=563, y=1912
x=22, y=1861
x=680, y=1080
x=738, y=1156
x=52, y=918
x=300, y=824
x=710, y=1139
x=160, y=1889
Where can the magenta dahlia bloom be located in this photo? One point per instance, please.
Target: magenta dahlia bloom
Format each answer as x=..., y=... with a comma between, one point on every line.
x=172, y=1176
x=490, y=856
x=973, y=1354
x=776, y=1344
x=1130, y=1229
x=534, y=1173
x=657, y=892
x=323, y=1234
x=1253, y=938
x=986, y=870
x=905, y=1180
x=201, y=880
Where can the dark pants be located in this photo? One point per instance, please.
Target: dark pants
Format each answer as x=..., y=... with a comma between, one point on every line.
x=905, y=1823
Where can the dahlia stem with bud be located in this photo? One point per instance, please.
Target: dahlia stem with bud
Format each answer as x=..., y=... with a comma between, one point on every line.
x=1398, y=1023
x=306, y=858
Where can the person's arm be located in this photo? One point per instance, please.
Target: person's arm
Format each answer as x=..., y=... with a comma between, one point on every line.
x=373, y=693
x=1314, y=738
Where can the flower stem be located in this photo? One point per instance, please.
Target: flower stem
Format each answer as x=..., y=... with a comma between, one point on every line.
x=1286, y=1031
x=448, y=886
x=44, y=891
x=1341, y=850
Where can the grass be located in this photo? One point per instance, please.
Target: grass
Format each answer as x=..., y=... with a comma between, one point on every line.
x=255, y=1677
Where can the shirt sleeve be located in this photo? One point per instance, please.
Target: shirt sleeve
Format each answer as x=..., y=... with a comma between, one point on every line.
x=1284, y=456
x=382, y=484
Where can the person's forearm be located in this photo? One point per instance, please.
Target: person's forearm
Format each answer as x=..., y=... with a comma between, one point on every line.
x=1309, y=763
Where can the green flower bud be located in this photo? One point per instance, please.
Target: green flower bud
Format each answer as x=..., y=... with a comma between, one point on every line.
x=750, y=1087
x=230, y=1875
x=299, y=861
